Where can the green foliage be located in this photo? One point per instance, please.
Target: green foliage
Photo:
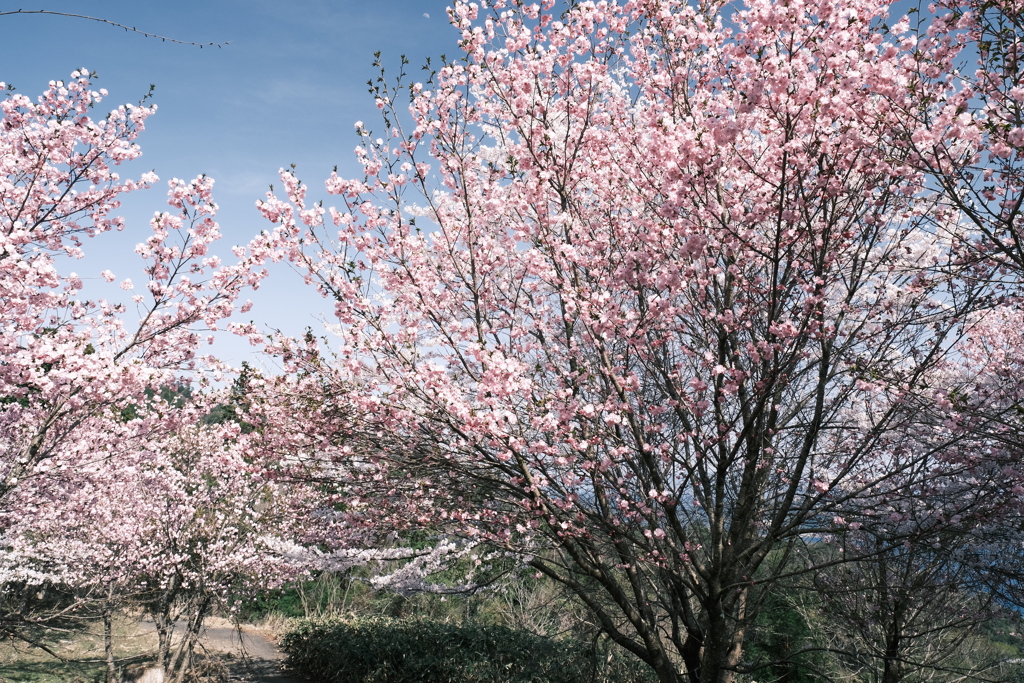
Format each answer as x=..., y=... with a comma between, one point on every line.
x=237, y=404
x=286, y=602
x=780, y=632
x=175, y=395
x=381, y=650
x=323, y=594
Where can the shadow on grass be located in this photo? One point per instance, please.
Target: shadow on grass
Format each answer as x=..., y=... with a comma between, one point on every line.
x=51, y=672
x=71, y=653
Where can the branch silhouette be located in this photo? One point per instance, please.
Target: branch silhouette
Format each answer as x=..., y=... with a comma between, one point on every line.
x=130, y=29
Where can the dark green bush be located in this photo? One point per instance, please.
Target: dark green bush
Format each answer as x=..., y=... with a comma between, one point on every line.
x=383, y=650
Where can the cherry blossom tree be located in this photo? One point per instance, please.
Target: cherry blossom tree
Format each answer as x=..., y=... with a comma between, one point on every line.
x=92, y=462
x=68, y=358
x=180, y=525
x=654, y=294
x=969, y=140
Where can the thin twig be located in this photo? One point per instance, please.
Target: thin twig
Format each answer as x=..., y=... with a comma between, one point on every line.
x=130, y=29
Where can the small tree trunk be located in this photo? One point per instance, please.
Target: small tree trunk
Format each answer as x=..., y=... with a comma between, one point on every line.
x=665, y=670
x=691, y=655
x=892, y=670
x=164, y=632
x=162, y=608
x=108, y=641
x=723, y=644
x=182, y=663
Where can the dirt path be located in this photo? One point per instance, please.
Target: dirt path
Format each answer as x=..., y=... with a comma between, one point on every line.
x=250, y=654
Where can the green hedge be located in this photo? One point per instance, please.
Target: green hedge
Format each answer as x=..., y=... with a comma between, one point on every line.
x=422, y=651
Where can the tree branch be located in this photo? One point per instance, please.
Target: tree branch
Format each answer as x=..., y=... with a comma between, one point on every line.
x=130, y=29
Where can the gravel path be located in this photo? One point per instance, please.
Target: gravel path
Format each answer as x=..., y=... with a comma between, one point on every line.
x=253, y=656
x=250, y=654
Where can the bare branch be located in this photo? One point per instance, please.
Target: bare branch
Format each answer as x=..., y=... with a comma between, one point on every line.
x=130, y=29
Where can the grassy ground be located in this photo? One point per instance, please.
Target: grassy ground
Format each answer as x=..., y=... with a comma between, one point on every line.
x=218, y=657
x=82, y=650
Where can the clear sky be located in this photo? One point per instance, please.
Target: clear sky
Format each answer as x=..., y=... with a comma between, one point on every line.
x=285, y=90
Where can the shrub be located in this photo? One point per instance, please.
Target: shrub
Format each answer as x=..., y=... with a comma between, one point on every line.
x=381, y=650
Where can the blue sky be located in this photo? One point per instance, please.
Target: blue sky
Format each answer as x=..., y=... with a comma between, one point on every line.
x=286, y=90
